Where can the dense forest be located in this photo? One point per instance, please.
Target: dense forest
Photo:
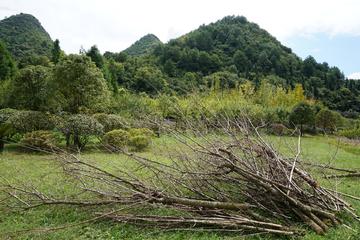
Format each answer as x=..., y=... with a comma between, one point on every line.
x=236, y=50
x=145, y=45
x=229, y=60
x=24, y=36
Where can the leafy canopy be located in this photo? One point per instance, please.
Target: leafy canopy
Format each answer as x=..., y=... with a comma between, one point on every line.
x=78, y=86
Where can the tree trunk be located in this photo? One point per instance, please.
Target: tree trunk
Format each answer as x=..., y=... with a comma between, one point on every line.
x=2, y=144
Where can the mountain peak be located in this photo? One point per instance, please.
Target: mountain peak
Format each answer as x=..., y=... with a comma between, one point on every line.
x=24, y=35
x=143, y=45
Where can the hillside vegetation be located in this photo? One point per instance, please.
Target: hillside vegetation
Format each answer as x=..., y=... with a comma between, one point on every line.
x=24, y=36
x=144, y=45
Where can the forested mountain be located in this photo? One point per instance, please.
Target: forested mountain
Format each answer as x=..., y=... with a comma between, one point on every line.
x=144, y=45
x=233, y=45
x=23, y=36
x=221, y=55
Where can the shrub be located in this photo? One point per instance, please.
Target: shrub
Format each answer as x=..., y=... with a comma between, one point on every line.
x=139, y=142
x=328, y=119
x=142, y=131
x=140, y=138
x=6, y=113
x=116, y=138
x=80, y=128
x=351, y=134
x=40, y=138
x=111, y=122
x=29, y=121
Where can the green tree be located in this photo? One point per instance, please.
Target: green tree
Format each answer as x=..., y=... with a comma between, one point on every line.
x=240, y=60
x=170, y=68
x=79, y=128
x=77, y=85
x=55, y=52
x=302, y=113
x=113, y=70
x=96, y=57
x=204, y=62
x=309, y=65
x=149, y=80
x=29, y=88
x=29, y=121
x=94, y=54
x=8, y=68
x=33, y=60
x=120, y=57
x=328, y=119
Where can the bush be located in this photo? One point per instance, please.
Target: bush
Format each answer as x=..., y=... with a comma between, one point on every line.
x=40, y=138
x=111, y=122
x=29, y=121
x=140, y=138
x=351, y=134
x=328, y=119
x=116, y=138
x=139, y=142
x=142, y=131
x=80, y=128
x=6, y=113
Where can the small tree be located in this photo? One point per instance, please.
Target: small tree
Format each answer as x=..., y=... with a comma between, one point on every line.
x=111, y=122
x=29, y=88
x=328, y=119
x=29, y=121
x=77, y=85
x=78, y=127
x=40, y=138
x=302, y=113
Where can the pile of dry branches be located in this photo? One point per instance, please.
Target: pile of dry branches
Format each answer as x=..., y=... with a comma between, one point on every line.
x=214, y=174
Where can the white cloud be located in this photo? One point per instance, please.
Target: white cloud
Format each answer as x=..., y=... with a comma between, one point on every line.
x=354, y=76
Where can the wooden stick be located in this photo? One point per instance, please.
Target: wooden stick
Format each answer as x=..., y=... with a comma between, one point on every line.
x=310, y=222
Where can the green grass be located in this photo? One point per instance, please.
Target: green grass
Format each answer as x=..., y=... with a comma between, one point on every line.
x=348, y=145
x=36, y=165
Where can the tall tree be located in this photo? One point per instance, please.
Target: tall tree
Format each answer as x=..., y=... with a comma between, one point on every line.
x=55, y=52
x=29, y=88
x=8, y=68
x=98, y=59
x=78, y=86
x=113, y=70
x=240, y=60
x=302, y=113
x=309, y=66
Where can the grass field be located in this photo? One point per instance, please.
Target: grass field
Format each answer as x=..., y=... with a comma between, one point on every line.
x=15, y=160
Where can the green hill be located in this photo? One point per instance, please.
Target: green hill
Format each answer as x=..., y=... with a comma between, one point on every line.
x=24, y=36
x=234, y=49
x=145, y=45
x=231, y=41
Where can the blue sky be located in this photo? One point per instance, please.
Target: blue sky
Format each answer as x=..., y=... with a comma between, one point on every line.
x=329, y=30
x=342, y=51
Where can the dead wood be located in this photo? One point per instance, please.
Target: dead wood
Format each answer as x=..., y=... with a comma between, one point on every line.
x=219, y=172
